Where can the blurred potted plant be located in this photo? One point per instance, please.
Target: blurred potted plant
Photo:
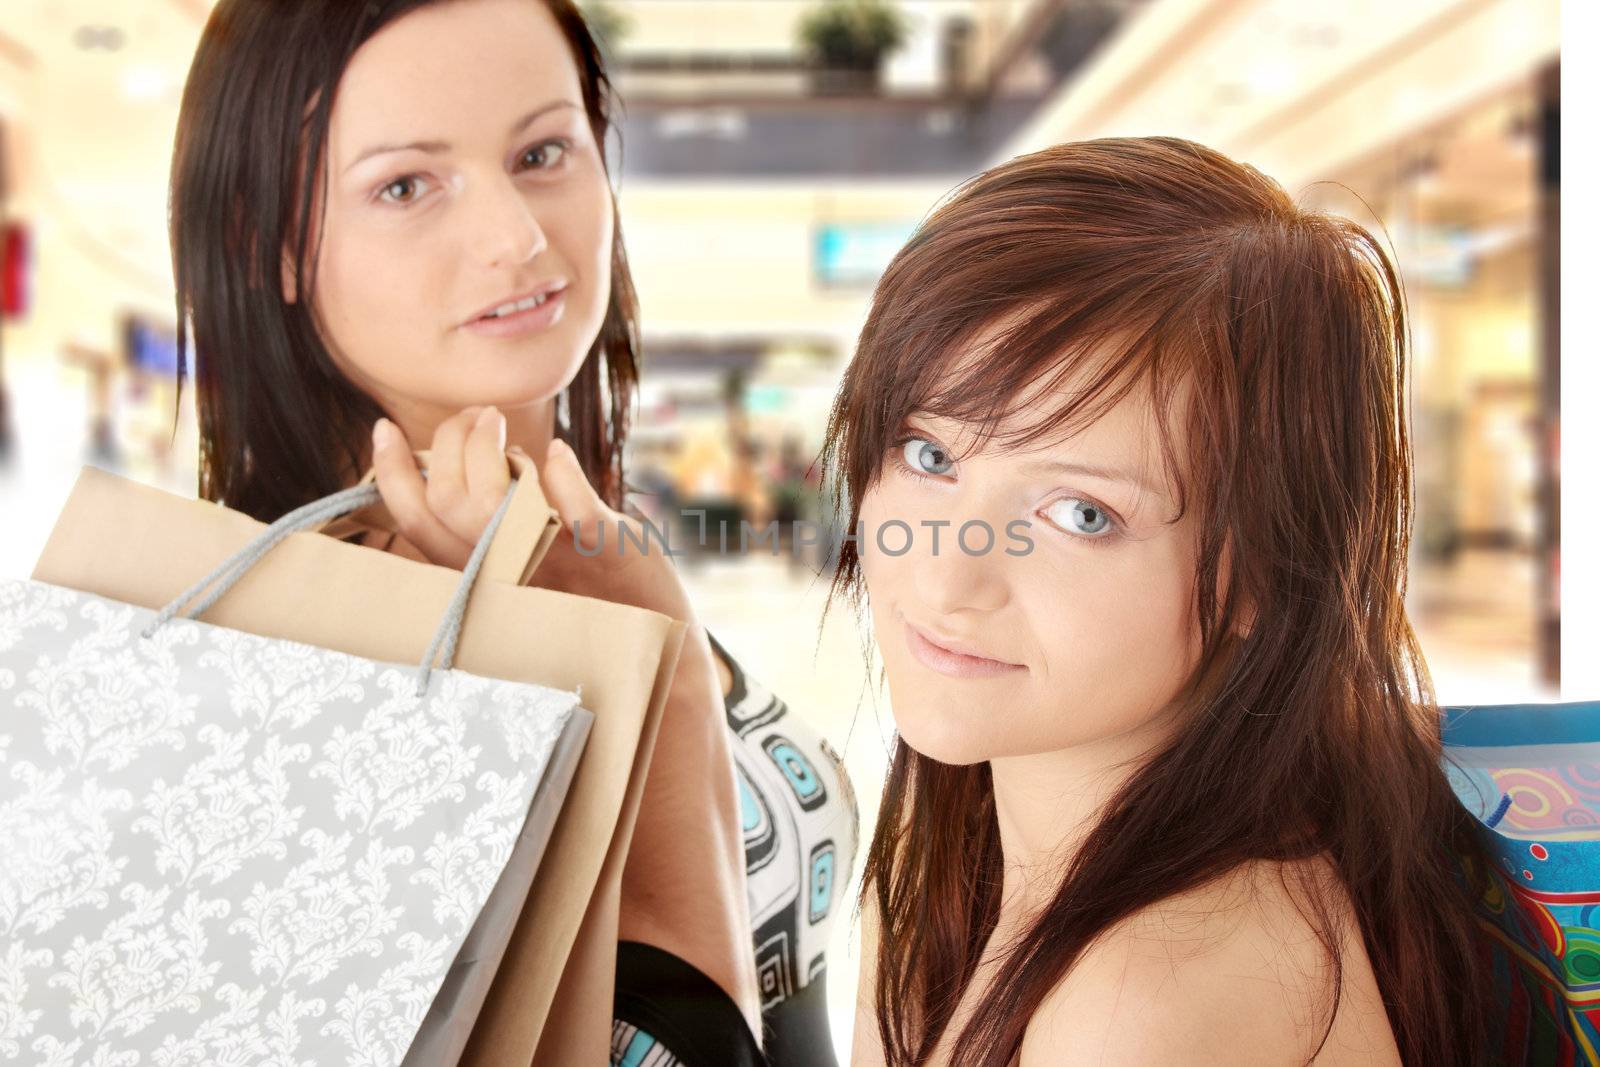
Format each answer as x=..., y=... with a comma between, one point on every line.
x=846, y=40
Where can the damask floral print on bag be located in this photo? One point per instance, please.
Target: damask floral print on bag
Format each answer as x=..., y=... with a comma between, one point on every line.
x=224, y=848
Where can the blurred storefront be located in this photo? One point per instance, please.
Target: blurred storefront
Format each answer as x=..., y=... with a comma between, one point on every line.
x=761, y=216
x=1435, y=123
x=1462, y=200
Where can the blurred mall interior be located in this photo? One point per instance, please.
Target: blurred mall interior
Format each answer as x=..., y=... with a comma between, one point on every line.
x=762, y=192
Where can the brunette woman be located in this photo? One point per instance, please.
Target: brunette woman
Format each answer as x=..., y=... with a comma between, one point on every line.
x=1126, y=437
x=393, y=228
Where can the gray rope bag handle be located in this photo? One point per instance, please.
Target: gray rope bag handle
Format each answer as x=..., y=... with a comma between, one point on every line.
x=330, y=507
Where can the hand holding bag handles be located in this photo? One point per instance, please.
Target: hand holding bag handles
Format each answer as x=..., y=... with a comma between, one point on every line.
x=529, y=526
x=319, y=513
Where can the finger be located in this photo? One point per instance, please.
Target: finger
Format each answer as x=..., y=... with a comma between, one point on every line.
x=487, y=470
x=569, y=492
x=405, y=495
x=447, y=481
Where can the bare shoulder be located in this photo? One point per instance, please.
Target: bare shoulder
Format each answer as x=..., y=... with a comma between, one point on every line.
x=866, y=1045
x=1234, y=972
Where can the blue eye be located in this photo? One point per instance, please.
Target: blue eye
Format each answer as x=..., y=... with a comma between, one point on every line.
x=925, y=457
x=1078, y=516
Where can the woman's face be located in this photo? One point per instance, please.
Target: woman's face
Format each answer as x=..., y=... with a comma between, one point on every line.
x=462, y=174
x=1085, y=636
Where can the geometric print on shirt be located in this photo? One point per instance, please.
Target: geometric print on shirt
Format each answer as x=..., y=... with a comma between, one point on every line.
x=632, y=1047
x=800, y=824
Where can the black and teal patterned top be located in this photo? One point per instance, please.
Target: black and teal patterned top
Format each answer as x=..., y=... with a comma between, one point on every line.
x=801, y=827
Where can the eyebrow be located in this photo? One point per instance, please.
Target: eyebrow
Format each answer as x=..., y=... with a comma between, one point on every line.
x=435, y=147
x=1108, y=474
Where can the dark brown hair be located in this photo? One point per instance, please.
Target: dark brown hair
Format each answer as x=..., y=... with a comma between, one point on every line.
x=1316, y=733
x=280, y=425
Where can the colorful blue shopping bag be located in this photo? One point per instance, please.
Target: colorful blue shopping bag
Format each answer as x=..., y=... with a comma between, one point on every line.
x=1531, y=774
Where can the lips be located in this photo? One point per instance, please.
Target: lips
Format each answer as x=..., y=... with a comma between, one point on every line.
x=554, y=285
x=956, y=665
x=959, y=648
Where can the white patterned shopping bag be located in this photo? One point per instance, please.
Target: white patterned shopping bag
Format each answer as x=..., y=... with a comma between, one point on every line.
x=221, y=848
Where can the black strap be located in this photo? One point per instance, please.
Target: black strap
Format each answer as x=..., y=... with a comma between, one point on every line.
x=675, y=1003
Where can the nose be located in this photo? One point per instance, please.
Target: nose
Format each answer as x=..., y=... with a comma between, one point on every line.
x=508, y=231
x=957, y=582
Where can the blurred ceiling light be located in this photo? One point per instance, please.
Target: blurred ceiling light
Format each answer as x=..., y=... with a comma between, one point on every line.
x=790, y=361
x=107, y=38
x=1424, y=342
x=1270, y=76
x=144, y=82
x=1325, y=35
x=1228, y=94
x=1517, y=336
x=726, y=123
x=1408, y=102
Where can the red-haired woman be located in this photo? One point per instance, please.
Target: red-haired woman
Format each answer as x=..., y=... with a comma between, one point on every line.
x=1126, y=444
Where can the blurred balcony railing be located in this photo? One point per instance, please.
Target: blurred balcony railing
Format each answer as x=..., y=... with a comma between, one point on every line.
x=688, y=76
x=695, y=115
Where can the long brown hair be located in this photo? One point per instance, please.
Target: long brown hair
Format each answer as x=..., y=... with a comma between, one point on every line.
x=280, y=425
x=1317, y=732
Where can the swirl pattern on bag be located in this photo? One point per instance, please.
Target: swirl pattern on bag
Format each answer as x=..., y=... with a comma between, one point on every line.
x=226, y=849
